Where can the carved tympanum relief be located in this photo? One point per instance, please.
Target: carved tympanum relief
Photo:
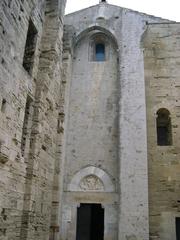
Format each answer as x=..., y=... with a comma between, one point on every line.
x=91, y=183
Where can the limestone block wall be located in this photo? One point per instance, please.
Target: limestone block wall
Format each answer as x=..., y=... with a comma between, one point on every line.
x=15, y=84
x=62, y=122
x=161, y=62
x=27, y=171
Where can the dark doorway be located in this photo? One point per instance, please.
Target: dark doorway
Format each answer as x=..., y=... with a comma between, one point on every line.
x=178, y=228
x=90, y=222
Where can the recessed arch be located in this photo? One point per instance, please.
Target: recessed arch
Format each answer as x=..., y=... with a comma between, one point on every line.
x=99, y=46
x=101, y=43
x=100, y=29
x=95, y=172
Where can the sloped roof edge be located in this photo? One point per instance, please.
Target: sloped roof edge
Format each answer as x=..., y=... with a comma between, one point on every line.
x=122, y=8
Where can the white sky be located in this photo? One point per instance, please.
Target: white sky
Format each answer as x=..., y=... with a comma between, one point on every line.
x=169, y=9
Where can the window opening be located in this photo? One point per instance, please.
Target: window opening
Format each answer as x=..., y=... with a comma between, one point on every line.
x=164, y=131
x=30, y=47
x=100, y=52
x=26, y=125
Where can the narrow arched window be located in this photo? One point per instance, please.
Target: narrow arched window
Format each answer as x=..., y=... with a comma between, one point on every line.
x=100, y=52
x=164, y=130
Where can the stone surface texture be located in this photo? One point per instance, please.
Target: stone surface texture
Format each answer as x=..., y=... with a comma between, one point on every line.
x=107, y=116
x=28, y=182
x=75, y=130
x=161, y=61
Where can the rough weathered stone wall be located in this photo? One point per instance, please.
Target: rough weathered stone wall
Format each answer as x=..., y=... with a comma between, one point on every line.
x=15, y=84
x=27, y=177
x=161, y=60
x=62, y=122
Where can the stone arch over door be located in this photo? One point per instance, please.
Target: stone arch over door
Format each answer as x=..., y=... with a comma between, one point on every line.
x=91, y=179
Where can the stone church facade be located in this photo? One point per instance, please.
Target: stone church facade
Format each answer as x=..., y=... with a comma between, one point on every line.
x=89, y=130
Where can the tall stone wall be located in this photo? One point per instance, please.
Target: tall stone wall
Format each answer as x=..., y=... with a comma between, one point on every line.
x=92, y=127
x=161, y=62
x=93, y=109
x=29, y=128
x=126, y=27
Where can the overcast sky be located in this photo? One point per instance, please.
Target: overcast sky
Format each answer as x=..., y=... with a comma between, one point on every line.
x=169, y=9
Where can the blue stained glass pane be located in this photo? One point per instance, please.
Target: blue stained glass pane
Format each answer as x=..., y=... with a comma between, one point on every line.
x=100, y=52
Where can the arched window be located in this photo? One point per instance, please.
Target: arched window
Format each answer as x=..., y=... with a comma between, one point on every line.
x=163, y=124
x=99, y=52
